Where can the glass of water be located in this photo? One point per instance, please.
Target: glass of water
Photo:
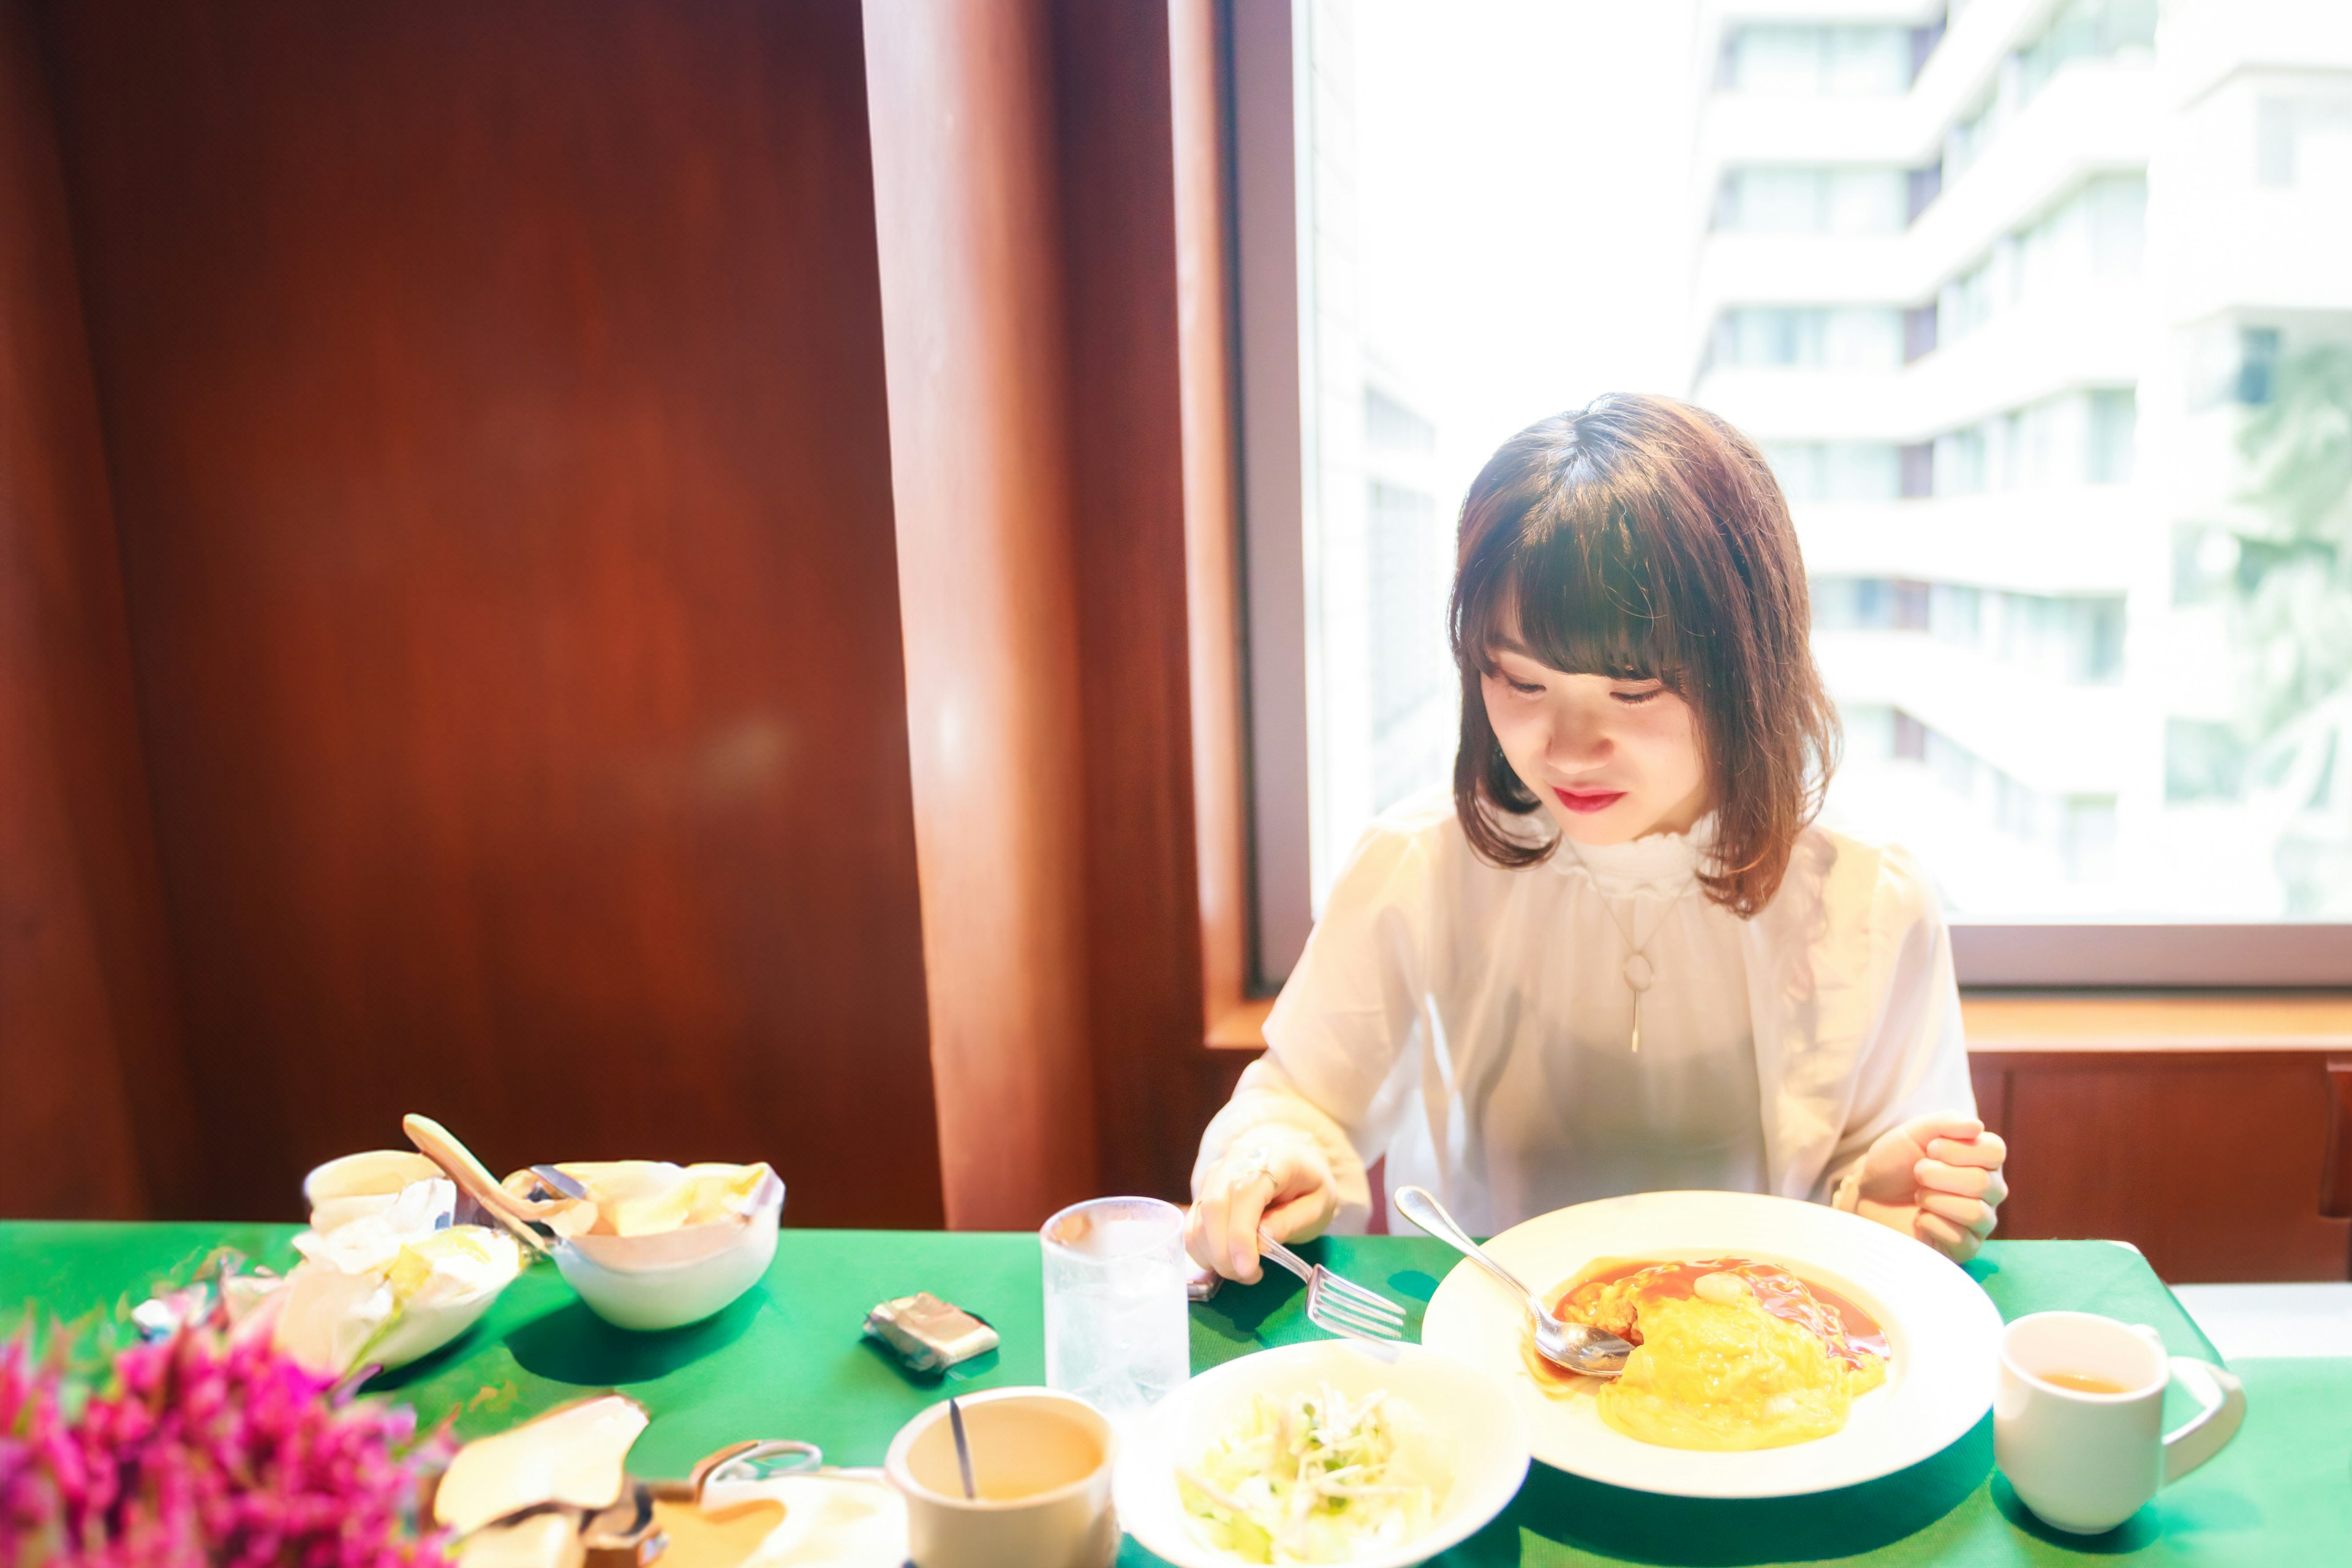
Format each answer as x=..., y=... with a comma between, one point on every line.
x=1118, y=1332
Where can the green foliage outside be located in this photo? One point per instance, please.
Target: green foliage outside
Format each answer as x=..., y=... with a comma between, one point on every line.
x=2294, y=576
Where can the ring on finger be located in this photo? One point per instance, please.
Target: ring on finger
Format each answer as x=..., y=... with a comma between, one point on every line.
x=1255, y=1167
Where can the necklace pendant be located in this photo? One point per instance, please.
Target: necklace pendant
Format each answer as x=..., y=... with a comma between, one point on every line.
x=1637, y=1021
x=1638, y=973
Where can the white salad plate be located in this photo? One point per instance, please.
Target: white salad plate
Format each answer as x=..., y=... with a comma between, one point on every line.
x=1943, y=1333
x=1490, y=1444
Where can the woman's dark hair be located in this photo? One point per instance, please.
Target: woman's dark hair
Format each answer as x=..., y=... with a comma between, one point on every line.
x=1646, y=539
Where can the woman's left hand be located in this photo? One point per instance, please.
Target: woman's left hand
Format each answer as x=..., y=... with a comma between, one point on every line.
x=1937, y=1178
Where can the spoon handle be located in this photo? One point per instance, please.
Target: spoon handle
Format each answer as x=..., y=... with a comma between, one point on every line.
x=439, y=1144
x=1417, y=1205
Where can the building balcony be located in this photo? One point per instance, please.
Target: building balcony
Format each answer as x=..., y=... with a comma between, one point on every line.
x=2096, y=333
x=1756, y=128
x=2091, y=336
x=2068, y=541
x=2054, y=738
x=1803, y=403
x=1738, y=128
x=2287, y=253
x=1744, y=128
x=2096, y=117
x=1752, y=268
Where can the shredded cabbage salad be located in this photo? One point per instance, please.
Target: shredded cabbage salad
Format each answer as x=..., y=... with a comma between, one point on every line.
x=1317, y=1477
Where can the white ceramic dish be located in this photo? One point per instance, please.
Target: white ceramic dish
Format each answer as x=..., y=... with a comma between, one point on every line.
x=419, y=1331
x=1490, y=1439
x=357, y=1187
x=672, y=1278
x=1943, y=1331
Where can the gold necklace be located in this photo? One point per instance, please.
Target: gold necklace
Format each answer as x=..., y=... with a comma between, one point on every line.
x=1638, y=970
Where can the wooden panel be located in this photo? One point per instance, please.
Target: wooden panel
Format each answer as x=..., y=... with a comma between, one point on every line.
x=1991, y=1081
x=2335, y=1183
x=967, y=199
x=1204, y=317
x=2210, y=1163
x=494, y=399
x=2208, y=1021
x=84, y=979
x=1144, y=959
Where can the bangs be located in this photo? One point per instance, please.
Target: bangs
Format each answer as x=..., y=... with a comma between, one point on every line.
x=1573, y=590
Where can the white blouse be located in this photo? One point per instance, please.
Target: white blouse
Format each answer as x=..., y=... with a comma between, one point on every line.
x=1473, y=1025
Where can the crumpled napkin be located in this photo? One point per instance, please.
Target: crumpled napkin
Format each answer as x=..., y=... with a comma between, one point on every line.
x=834, y=1519
x=390, y=1286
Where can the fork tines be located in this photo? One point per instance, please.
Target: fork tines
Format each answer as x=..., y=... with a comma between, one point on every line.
x=1337, y=1305
x=1341, y=1312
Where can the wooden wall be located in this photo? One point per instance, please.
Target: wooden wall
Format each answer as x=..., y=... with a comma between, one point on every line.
x=84, y=981
x=636, y=577
x=969, y=204
x=494, y=400
x=2231, y=1164
x=1055, y=291
x=1120, y=218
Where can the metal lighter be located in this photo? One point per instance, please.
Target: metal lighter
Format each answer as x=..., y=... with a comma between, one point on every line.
x=929, y=1334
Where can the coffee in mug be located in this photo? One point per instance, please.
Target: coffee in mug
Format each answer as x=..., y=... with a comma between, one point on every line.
x=2084, y=1382
x=1041, y=1465
x=2078, y=1420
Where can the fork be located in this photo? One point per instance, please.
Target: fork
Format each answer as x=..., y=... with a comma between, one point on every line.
x=1335, y=1305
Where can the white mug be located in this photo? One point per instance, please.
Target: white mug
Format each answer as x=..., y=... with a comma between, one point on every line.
x=2085, y=1461
x=1041, y=1463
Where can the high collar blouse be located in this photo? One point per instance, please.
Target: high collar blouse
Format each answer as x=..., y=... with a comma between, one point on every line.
x=1473, y=1025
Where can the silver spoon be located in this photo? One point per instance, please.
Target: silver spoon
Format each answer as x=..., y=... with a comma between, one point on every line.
x=1579, y=1347
x=561, y=1183
x=963, y=1448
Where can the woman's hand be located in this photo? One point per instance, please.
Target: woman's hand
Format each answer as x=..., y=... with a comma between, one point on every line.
x=1282, y=1183
x=1937, y=1178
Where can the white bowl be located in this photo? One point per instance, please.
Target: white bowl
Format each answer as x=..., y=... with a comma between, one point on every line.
x=357, y=1185
x=418, y=1332
x=672, y=1278
x=1490, y=1441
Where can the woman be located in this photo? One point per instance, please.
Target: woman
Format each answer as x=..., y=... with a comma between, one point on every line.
x=1621, y=957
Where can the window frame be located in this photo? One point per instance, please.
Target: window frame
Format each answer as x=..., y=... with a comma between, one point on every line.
x=1277, y=415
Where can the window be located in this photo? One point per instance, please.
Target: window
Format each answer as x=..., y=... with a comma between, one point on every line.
x=1847, y=337
x=2083, y=30
x=2304, y=142
x=2066, y=460
x=2075, y=438
x=1836, y=470
x=1815, y=201
x=1812, y=61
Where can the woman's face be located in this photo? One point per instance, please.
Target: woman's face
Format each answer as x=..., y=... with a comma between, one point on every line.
x=1611, y=760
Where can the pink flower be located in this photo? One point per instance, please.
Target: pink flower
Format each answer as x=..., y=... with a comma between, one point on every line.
x=196, y=1449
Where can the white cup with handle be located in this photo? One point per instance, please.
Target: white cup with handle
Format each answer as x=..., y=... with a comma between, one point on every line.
x=2078, y=1421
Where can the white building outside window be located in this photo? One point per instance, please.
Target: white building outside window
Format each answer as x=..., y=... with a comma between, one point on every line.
x=2041, y=313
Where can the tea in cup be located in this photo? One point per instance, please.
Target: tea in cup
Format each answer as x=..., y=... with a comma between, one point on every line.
x=2078, y=1420
x=1041, y=1465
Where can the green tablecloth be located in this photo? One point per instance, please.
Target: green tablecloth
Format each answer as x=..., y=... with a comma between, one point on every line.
x=787, y=1362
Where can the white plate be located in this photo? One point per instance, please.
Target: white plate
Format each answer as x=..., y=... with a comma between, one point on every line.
x=1943, y=1332
x=1490, y=1449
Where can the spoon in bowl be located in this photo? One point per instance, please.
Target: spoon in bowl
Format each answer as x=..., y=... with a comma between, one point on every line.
x=1579, y=1347
x=440, y=1145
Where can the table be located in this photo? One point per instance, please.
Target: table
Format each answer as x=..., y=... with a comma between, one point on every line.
x=787, y=1362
